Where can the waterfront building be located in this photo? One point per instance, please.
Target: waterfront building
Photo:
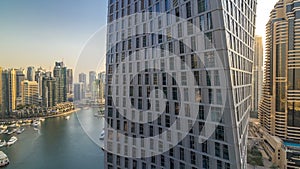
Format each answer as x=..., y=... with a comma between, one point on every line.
x=50, y=90
x=1, y=93
x=60, y=74
x=30, y=92
x=92, y=78
x=101, y=77
x=78, y=91
x=279, y=110
x=148, y=53
x=257, y=73
x=39, y=75
x=20, y=75
x=31, y=73
x=69, y=81
x=82, y=79
x=9, y=91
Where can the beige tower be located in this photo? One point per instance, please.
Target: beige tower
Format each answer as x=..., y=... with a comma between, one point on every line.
x=257, y=80
x=279, y=111
x=30, y=92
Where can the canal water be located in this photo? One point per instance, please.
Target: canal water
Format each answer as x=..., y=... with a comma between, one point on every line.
x=59, y=144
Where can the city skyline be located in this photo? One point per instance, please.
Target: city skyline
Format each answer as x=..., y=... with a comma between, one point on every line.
x=25, y=33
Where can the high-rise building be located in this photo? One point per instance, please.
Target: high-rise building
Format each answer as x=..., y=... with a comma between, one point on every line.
x=39, y=75
x=60, y=74
x=257, y=75
x=82, y=79
x=30, y=73
x=70, y=81
x=30, y=92
x=92, y=78
x=279, y=111
x=20, y=75
x=9, y=90
x=150, y=59
x=101, y=77
x=1, y=93
x=78, y=91
x=49, y=92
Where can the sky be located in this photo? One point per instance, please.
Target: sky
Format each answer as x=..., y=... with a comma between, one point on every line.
x=40, y=32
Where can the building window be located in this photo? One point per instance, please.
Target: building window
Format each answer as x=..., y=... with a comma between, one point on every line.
x=209, y=21
x=202, y=5
x=205, y=162
x=217, y=150
x=188, y=10
x=220, y=133
x=225, y=152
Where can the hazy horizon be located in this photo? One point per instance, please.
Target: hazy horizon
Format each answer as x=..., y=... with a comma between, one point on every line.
x=38, y=33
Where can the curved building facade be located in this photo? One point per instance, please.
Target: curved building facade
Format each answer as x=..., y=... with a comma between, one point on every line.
x=152, y=47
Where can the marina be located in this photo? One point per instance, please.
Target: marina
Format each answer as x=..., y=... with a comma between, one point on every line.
x=51, y=143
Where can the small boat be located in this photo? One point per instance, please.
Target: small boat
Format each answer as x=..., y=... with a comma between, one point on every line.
x=12, y=131
x=2, y=131
x=12, y=140
x=42, y=119
x=3, y=127
x=20, y=130
x=67, y=117
x=5, y=132
x=36, y=123
x=12, y=125
x=102, y=135
x=2, y=144
x=4, y=161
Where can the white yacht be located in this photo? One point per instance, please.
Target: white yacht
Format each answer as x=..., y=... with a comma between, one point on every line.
x=4, y=161
x=12, y=140
x=20, y=130
x=12, y=131
x=2, y=144
x=36, y=123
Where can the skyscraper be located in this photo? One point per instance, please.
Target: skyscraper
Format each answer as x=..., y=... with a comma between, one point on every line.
x=257, y=73
x=30, y=92
x=20, y=75
x=39, y=75
x=151, y=60
x=50, y=90
x=30, y=73
x=78, y=91
x=279, y=111
x=1, y=93
x=9, y=91
x=60, y=74
x=101, y=77
x=92, y=78
x=70, y=81
x=82, y=79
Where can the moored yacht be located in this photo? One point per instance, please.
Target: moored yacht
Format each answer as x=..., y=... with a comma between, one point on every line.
x=4, y=161
x=36, y=123
x=12, y=140
x=2, y=144
x=20, y=130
